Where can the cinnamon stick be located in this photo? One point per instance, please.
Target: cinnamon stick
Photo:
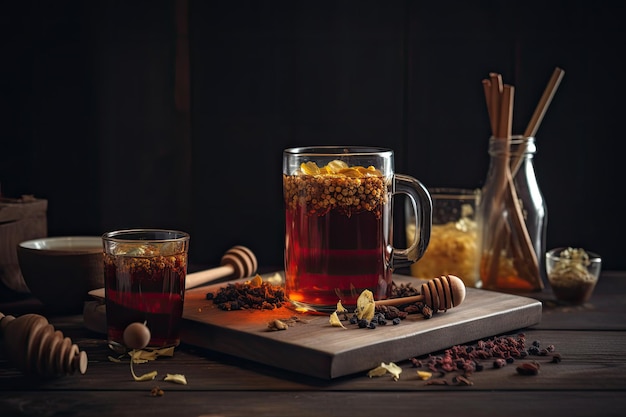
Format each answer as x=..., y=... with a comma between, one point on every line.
x=537, y=117
x=544, y=102
x=492, y=117
x=495, y=100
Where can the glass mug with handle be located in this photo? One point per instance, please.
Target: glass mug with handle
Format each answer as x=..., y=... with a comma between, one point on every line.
x=339, y=224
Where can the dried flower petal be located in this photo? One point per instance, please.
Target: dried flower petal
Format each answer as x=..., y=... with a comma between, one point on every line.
x=341, y=308
x=177, y=378
x=381, y=370
x=145, y=377
x=423, y=375
x=277, y=325
x=257, y=281
x=393, y=369
x=144, y=355
x=378, y=371
x=275, y=279
x=365, y=305
x=334, y=320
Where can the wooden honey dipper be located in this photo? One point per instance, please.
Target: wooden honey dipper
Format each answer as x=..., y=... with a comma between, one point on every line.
x=440, y=294
x=237, y=262
x=33, y=346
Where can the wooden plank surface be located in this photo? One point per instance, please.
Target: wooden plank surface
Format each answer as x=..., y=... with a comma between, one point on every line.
x=335, y=404
x=313, y=347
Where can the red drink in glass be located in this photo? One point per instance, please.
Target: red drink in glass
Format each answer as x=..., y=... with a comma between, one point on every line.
x=339, y=217
x=145, y=282
x=337, y=239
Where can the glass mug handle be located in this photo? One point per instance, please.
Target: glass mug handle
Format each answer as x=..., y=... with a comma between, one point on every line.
x=422, y=206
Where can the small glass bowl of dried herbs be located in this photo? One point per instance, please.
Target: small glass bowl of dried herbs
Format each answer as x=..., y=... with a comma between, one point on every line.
x=572, y=273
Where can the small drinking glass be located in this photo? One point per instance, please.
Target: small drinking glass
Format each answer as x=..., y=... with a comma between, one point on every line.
x=144, y=278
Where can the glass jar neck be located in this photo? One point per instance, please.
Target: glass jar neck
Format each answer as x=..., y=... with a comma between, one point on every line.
x=518, y=145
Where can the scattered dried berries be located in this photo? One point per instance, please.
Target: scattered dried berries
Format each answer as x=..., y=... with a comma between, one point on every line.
x=464, y=360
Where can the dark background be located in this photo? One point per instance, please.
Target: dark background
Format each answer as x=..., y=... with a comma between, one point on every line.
x=97, y=117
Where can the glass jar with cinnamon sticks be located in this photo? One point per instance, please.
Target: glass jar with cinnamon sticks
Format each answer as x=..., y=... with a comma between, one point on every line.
x=512, y=218
x=512, y=214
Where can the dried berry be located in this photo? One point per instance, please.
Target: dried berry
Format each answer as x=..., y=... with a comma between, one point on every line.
x=461, y=380
x=533, y=350
x=499, y=363
x=528, y=368
x=437, y=381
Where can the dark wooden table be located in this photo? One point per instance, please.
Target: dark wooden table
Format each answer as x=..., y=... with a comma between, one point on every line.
x=590, y=380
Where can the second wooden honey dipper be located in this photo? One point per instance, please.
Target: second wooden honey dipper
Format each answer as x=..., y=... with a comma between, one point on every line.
x=440, y=294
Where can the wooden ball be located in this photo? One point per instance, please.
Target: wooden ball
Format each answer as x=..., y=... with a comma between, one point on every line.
x=136, y=336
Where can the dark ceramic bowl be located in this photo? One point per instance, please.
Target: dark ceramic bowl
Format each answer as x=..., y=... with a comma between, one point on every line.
x=60, y=271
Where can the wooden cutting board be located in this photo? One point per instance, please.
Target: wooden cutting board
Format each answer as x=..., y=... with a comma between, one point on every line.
x=313, y=347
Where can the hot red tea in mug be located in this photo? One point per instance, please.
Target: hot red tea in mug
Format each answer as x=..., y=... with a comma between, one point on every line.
x=144, y=275
x=338, y=212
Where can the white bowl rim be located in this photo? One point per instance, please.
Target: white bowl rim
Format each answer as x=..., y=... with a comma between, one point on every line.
x=74, y=244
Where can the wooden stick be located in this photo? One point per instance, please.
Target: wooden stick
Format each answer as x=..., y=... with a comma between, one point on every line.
x=492, y=118
x=400, y=300
x=540, y=111
x=504, y=134
x=529, y=260
x=495, y=100
x=544, y=102
x=506, y=115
